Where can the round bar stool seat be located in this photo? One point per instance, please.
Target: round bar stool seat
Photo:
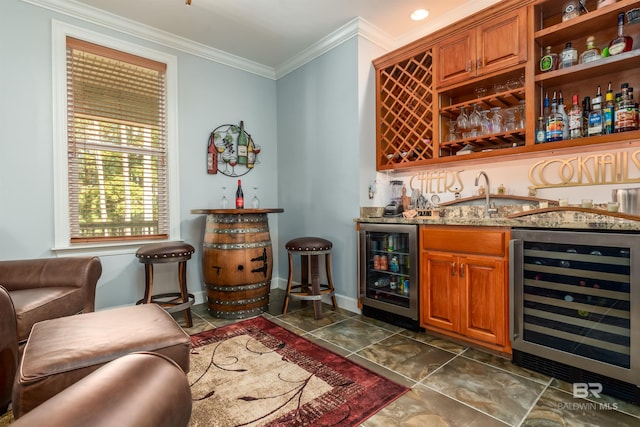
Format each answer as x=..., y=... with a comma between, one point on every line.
x=161, y=253
x=310, y=250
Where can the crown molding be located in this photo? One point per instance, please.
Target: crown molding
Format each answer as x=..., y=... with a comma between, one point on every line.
x=356, y=27
x=118, y=23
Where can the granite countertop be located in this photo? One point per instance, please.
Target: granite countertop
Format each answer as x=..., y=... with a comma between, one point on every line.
x=474, y=216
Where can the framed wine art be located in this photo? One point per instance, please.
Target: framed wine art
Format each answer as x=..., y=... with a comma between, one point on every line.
x=231, y=150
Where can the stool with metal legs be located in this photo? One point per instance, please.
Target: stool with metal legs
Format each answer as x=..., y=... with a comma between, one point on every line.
x=310, y=250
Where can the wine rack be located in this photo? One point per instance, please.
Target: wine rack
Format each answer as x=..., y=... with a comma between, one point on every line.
x=405, y=116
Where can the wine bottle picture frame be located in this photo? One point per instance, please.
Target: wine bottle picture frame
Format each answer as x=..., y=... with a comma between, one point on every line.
x=231, y=150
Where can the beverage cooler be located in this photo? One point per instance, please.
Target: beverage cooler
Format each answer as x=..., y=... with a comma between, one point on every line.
x=388, y=273
x=576, y=307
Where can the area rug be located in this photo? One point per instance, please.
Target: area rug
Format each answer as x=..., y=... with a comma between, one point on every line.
x=256, y=373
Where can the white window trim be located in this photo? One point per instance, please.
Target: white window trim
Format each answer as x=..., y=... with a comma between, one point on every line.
x=60, y=31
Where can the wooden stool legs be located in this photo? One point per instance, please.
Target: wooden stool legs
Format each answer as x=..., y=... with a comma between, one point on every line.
x=310, y=286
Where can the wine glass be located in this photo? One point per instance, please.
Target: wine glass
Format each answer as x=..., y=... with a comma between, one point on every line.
x=462, y=121
x=233, y=161
x=496, y=120
x=220, y=148
x=256, y=151
x=224, y=202
x=255, y=202
x=452, y=131
x=226, y=158
x=475, y=119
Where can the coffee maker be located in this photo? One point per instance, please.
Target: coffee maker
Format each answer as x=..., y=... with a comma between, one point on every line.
x=394, y=208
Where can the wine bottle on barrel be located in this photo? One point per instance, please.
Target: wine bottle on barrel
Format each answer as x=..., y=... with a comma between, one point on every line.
x=239, y=197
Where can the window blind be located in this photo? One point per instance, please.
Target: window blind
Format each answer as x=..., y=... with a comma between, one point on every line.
x=117, y=148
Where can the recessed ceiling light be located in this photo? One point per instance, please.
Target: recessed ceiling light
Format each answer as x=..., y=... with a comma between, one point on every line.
x=420, y=14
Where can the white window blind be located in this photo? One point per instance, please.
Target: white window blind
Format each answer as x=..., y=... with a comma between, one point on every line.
x=117, y=145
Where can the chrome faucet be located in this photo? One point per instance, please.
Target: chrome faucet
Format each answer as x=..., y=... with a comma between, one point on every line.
x=488, y=210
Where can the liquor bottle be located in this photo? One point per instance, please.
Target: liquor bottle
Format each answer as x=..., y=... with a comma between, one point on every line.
x=608, y=112
x=586, y=109
x=571, y=9
x=592, y=53
x=624, y=119
x=575, y=119
x=251, y=155
x=622, y=43
x=541, y=136
x=554, y=122
x=635, y=109
x=595, y=116
x=549, y=60
x=242, y=145
x=568, y=56
x=565, y=118
x=239, y=197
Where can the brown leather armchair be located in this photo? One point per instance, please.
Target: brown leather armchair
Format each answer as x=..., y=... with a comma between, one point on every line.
x=48, y=288
x=123, y=392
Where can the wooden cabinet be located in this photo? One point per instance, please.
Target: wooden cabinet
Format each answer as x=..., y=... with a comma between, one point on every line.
x=423, y=86
x=491, y=46
x=464, y=283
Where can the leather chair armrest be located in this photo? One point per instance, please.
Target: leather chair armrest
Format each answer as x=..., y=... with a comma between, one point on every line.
x=78, y=272
x=8, y=348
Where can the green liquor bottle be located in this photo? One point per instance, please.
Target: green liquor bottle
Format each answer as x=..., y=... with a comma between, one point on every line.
x=243, y=145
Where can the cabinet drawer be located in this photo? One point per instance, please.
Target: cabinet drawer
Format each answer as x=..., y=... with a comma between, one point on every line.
x=465, y=240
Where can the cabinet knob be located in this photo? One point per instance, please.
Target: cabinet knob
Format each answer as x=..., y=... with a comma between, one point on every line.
x=453, y=268
x=478, y=63
x=469, y=66
x=461, y=269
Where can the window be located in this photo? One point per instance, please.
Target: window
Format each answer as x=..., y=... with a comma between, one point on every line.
x=116, y=144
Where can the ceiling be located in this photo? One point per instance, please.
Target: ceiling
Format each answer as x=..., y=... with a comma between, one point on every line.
x=271, y=32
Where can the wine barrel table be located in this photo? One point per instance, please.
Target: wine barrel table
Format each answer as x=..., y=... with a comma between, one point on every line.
x=237, y=261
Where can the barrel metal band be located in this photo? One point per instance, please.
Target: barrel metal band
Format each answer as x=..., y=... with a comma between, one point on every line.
x=247, y=245
x=237, y=230
x=240, y=314
x=232, y=219
x=236, y=288
x=238, y=302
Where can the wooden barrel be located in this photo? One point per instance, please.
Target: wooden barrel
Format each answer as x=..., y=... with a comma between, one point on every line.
x=237, y=264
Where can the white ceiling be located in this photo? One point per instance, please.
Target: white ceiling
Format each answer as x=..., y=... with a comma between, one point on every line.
x=271, y=32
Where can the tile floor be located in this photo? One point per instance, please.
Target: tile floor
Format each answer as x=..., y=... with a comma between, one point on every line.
x=451, y=384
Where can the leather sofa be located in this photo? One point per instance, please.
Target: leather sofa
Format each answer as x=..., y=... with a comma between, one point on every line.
x=49, y=288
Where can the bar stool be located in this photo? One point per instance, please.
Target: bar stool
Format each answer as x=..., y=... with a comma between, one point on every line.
x=161, y=253
x=310, y=249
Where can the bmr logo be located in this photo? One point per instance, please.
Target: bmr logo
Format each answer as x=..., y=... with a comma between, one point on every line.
x=582, y=390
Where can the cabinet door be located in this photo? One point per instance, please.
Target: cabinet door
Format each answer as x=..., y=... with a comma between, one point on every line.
x=439, y=291
x=502, y=42
x=483, y=294
x=455, y=58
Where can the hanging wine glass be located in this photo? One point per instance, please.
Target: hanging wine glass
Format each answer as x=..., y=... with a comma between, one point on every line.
x=255, y=202
x=462, y=122
x=452, y=131
x=475, y=120
x=485, y=124
x=496, y=120
x=224, y=202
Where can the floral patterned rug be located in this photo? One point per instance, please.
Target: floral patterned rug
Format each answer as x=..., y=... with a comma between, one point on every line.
x=256, y=373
